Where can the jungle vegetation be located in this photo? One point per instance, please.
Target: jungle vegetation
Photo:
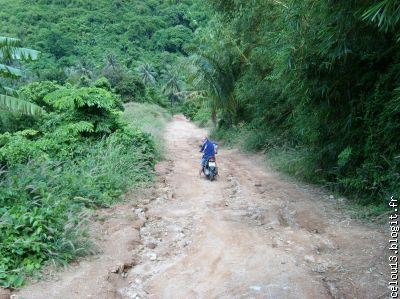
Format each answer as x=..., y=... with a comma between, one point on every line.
x=66, y=144
x=315, y=84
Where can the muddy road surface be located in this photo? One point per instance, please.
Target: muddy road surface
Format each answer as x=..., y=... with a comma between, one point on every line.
x=250, y=234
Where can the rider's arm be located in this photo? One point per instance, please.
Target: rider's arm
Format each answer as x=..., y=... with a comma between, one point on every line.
x=203, y=147
x=215, y=147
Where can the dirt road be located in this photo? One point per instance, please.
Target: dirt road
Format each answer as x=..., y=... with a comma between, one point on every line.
x=250, y=234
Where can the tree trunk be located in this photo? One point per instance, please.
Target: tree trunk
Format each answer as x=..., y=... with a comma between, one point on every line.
x=214, y=117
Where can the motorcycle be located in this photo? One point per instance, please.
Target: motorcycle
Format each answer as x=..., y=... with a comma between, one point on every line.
x=210, y=169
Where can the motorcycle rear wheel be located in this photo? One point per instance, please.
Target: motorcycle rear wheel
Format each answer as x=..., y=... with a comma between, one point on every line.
x=211, y=177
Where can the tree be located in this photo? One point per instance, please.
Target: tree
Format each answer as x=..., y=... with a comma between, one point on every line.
x=10, y=51
x=113, y=70
x=216, y=82
x=318, y=77
x=147, y=73
x=173, y=39
x=173, y=85
x=56, y=41
x=111, y=62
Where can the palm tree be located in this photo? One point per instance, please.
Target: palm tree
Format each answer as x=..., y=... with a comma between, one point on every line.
x=111, y=62
x=147, y=73
x=84, y=68
x=216, y=81
x=10, y=51
x=112, y=70
x=173, y=85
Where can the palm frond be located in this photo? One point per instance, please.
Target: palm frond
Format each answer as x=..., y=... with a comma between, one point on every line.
x=19, y=106
x=10, y=51
x=25, y=54
x=209, y=74
x=8, y=91
x=9, y=72
x=9, y=42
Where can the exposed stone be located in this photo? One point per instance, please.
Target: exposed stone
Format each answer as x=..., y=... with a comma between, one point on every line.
x=341, y=200
x=139, y=223
x=151, y=245
x=152, y=256
x=309, y=258
x=117, y=268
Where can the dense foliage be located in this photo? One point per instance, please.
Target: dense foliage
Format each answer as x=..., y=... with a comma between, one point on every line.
x=82, y=41
x=78, y=152
x=78, y=155
x=315, y=82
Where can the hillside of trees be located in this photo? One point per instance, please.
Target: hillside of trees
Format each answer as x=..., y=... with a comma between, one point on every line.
x=125, y=41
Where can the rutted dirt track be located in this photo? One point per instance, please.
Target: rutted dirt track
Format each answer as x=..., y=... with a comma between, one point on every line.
x=250, y=234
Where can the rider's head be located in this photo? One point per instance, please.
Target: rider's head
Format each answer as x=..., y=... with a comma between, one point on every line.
x=204, y=139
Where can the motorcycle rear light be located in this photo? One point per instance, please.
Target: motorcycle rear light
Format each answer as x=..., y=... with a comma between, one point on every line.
x=212, y=159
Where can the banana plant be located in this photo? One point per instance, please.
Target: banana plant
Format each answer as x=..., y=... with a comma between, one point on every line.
x=11, y=51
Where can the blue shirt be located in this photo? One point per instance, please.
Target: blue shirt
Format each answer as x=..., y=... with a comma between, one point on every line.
x=208, y=149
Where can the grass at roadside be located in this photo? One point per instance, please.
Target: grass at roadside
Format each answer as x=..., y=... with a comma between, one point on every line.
x=296, y=162
x=149, y=118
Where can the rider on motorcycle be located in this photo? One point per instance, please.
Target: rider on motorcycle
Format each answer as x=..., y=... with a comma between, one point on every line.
x=209, y=149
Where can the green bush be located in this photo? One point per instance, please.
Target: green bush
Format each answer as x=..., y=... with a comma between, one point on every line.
x=197, y=111
x=172, y=39
x=78, y=114
x=96, y=107
x=131, y=89
x=102, y=83
x=36, y=91
x=155, y=96
x=33, y=221
x=41, y=203
x=190, y=108
x=80, y=155
x=203, y=116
